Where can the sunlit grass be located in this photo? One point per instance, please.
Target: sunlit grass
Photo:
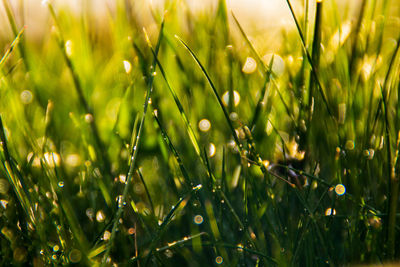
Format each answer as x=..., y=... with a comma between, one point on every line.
x=177, y=140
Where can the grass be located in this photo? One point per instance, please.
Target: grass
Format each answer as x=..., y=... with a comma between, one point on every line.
x=172, y=140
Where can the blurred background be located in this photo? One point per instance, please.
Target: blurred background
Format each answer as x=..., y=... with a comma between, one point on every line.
x=264, y=18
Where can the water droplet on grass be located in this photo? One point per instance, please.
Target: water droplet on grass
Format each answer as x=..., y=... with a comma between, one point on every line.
x=106, y=235
x=88, y=118
x=100, y=216
x=197, y=187
x=68, y=48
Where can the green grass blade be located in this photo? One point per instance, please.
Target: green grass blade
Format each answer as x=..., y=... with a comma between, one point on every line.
x=147, y=190
x=314, y=71
x=11, y=48
x=235, y=137
x=167, y=140
x=266, y=70
x=134, y=152
x=189, y=128
x=167, y=220
x=106, y=166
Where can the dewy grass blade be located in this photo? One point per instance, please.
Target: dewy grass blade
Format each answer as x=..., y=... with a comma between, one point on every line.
x=178, y=158
x=167, y=220
x=11, y=48
x=315, y=56
x=189, y=128
x=266, y=72
x=235, y=137
x=106, y=166
x=14, y=28
x=146, y=189
x=180, y=242
x=386, y=83
x=313, y=69
x=135, y=150
x=393, y=183
x=260, y=102
x=18, y=185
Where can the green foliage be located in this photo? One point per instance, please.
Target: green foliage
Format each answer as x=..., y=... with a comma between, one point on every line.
x=132, y=147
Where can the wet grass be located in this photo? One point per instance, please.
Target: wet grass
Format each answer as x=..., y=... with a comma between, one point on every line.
x=163, y=143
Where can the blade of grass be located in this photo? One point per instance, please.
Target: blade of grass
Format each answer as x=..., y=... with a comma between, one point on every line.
x=266, y=70
x=314, y=71
x=189, y=128
x=167, y=220
x=179, y=242
x=147, y=190
x=393, y=183
x=15, y=180
x=134, y=151
x=214, y=89
x=11, y=48
x=260, y=102
x=79, y=89
x=316, y=51
x=178, y=158
x=386, y=83
x=354, y=55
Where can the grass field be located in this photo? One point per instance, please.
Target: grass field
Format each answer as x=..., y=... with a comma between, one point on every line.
x=180, y=139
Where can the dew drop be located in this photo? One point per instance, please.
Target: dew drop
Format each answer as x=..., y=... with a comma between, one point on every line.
x=106, y=235
x=100, y=216
x=197, y=187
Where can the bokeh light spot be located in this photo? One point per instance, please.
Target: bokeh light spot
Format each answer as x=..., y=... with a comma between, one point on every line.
x=250, y=65
x=26, y=97
x=198, y=219
x=219, y=260
x=204, y=125
x=236, y=98
x=340, y=189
